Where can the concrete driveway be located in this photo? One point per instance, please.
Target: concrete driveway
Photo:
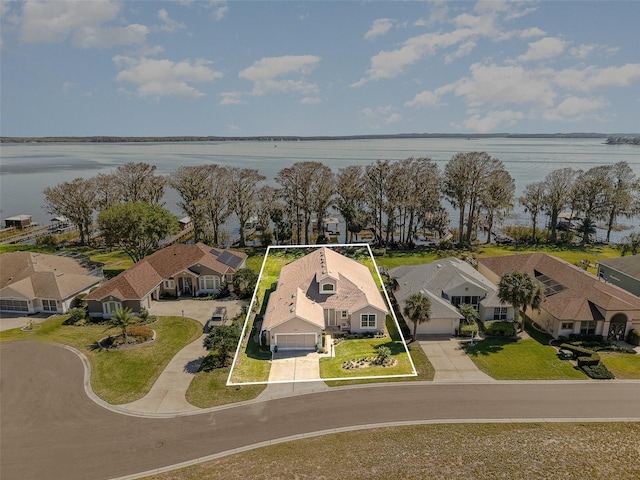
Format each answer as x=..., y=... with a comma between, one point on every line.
x=199, y=310
x=450, y=361
x=295, y=366
x=10, y=321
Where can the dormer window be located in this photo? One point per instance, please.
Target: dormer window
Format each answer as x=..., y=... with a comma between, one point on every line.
x=328, y=288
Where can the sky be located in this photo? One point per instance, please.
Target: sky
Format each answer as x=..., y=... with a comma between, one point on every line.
x=249, y=68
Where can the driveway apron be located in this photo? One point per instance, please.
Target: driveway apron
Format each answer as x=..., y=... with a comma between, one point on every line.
x=450, y=361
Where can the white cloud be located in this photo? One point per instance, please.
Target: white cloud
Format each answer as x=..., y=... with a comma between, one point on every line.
x=379, y=27
x=575, y=108
x=591, y=77
x=220, y=9
x=232, y=98
x=424, y=99
x=310, y=100
x=489, y=122
x=83, y=22
x=163, y=77
x=463, y=50
x=393, y=118
x=545, y=48
x=531, y=32
x=269, y=75
x=169, y=24
x=583, y=51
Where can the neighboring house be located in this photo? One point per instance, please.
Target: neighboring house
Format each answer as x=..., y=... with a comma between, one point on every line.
x=449, y=283
x=323, y=289
x=576, y=302
x=18, y=221
x=35, y=282
x=622, y=271
x=172, y=271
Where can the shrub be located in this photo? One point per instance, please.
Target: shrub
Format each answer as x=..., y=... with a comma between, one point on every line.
x=379, y=252
x=77, y=316
x=79, y=301
x=468, y=330
x=141, y=332
x=634, y=337
x=47, y=240
x=585, y=338
x=499, y=328
x=585, y=356
x=598, y=372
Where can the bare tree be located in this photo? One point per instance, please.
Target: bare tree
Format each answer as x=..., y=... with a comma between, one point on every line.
x=218, y=203
x=243, y=189
x=107, y=191
x=349, y=199
x=557, y=188
x=376, y=189
x=497, y=197
x=533, y=203
x=139, y=183
x=75, y=200
x=192, y=184
x=466, y=177
x=623, y=186
x=592, y=190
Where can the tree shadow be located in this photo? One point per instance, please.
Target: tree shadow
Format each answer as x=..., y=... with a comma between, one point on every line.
x=487, y=346
x=194, y=366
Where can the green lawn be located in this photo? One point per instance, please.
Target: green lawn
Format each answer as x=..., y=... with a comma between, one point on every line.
x=530, y=359
x=120, y=376
x=622, y=365
x=209, y=389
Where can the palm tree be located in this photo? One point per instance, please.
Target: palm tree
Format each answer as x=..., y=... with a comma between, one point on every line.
x=522, y=291
x=122, y=319
x=469, y=313
x=631, y=244
x=587, y=228
x=418, y=310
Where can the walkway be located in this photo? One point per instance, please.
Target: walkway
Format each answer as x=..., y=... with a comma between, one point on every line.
x=168, y=393
x=450, y=361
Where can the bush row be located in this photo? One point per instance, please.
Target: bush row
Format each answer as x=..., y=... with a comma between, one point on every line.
x=468, y=330
x=585, y=356
x=499, y=328
x=598, y=372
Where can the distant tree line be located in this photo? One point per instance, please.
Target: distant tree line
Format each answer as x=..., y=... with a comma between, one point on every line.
x=393, y=199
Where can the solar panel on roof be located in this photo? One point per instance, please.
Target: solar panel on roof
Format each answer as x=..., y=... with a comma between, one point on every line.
x=230, y=259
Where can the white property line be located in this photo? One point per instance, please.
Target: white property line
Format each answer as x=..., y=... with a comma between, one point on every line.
x=389, y=306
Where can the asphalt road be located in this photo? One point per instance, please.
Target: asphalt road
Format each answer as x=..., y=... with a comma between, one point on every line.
x=51, y=429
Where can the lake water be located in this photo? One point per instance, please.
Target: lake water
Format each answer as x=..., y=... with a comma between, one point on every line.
x=26, y=169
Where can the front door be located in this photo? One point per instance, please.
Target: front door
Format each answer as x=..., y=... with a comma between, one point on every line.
x=186, y=288
x=617, y=327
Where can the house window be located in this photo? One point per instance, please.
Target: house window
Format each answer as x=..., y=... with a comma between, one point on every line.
x=209, y=282
x=327, y=287
x=500, y=313
x=368, y=320
x=344, y=313
x=109, y=308
x=49, y=305
x=588, y=328
x=566, y=326
x=169, y=284
x=456, y=301
x=14, y=305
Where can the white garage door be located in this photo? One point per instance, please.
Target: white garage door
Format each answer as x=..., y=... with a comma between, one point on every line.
x=296, y=341
x=436, y=326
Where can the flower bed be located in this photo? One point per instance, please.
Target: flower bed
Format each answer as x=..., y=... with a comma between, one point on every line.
x=369, y=362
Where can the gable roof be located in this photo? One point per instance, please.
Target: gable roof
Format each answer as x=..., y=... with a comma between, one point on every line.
x=438, y=277
x=298, y=294
x=627, y=265
x=32, y=275
x=584, y=296
x=136, y=282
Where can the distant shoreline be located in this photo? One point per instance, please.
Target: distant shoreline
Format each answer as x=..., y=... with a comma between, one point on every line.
x=292, y=138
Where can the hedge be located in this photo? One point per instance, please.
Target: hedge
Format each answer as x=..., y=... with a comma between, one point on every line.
x=585, y=356
x=598, y=372
x=634, y=337
x=468, y=330
x=499, y=328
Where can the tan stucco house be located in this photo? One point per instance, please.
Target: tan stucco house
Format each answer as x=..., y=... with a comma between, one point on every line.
x=323, y=289
x=449, y=283
x=176, y=270
x=35, y=282
x=576, y=302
